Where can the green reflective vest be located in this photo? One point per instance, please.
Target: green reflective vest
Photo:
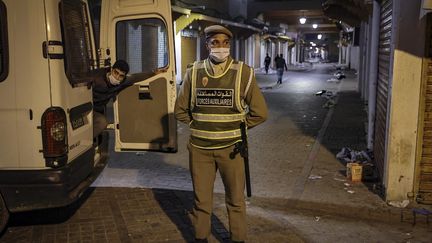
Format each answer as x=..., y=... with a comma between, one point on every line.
x=216, y=105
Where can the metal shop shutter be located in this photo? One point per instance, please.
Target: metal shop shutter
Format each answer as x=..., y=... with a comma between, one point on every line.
x=384, y=64
x=424, y=168
x=188, y=51
x=424, y=194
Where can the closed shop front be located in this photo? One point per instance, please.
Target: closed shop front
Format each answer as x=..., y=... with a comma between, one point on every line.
x=424, y=168
x=384, y=78
x=188, y=51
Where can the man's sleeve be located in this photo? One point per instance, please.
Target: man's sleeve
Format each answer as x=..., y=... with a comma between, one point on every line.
x=182, y=107
x=123, y=86
x=258, y=112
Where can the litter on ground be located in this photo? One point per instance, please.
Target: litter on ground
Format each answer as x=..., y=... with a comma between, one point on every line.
x=349, y=155
x=399, y=204
x=314, y=177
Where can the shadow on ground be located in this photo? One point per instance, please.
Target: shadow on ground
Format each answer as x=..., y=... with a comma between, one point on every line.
x=178, y=205
x=48, y=216
x=114, y=214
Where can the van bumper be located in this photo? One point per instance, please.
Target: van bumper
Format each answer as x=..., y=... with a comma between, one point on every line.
x=26, y=190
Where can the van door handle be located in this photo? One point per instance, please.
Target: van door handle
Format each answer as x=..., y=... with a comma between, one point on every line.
x=144, y=92
x=52, y=49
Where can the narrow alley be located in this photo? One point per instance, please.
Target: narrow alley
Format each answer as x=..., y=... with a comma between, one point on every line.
x=300, y=192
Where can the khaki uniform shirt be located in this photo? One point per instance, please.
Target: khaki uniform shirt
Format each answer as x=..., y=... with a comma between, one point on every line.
x=217, y=69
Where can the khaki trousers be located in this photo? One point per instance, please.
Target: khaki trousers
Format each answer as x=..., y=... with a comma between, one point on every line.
x=203, y=164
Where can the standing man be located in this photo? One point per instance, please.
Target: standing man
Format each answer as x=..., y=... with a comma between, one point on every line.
x=280, y=65
x=267, y=61
x=216, y=96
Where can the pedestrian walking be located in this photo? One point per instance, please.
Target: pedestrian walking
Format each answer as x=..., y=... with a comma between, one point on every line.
x=267, y=61
x=280, y=66
x=276, y=58
x=216, y=96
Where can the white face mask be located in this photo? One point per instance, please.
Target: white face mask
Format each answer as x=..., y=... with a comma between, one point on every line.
x=219, y=54
x=113, y=80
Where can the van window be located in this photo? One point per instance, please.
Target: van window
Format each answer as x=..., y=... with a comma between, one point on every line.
x=76, y=41
x=4, y=50
x=143, y=44
x=95, y=15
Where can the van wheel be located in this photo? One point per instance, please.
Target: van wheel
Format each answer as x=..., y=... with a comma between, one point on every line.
x=4, y=214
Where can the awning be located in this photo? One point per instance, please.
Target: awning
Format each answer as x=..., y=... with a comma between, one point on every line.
x=280, y=38
x=285, y=38
x=177, y=12
x=187, y=18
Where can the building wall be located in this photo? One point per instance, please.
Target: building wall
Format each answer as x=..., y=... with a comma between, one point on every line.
x=367, y=63
x=333, y=52
x=409, y=40
x=248, y=52
x=273, y=54
x=263, y=52
x=189, y=52
x=285, y=51
x=293, y=55
x=257, y=52
x=355, y=57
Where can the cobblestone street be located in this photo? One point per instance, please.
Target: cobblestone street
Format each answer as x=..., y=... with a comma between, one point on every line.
x=146, y=196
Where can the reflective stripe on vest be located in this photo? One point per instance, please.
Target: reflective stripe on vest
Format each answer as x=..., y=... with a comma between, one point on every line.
x=216, y=135
x=193, y=85
x=218, y=117
x=237, y=86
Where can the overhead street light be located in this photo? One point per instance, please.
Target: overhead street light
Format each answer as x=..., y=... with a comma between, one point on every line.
x=315, y=26
x=319, y=36
x=302, y=20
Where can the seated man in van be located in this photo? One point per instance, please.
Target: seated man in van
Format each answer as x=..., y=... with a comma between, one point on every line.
x=105, y=88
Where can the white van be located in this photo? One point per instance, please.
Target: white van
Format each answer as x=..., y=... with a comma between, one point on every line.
x=50, y=51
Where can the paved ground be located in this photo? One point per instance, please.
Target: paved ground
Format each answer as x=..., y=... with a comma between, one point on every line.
x=145, y=197
x=157, y=215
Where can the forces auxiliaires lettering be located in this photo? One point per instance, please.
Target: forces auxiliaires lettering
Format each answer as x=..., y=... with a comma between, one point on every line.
x=215, y=97
x=214, y=102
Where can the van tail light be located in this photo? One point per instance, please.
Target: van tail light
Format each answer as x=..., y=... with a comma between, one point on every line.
x=54, y=137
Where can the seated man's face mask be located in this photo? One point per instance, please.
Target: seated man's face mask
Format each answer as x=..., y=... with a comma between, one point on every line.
x=116, y=76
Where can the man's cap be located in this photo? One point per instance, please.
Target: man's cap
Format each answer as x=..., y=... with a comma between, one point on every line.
x=217, y=29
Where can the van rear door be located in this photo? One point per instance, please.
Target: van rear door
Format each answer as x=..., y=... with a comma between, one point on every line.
x=140, y=32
